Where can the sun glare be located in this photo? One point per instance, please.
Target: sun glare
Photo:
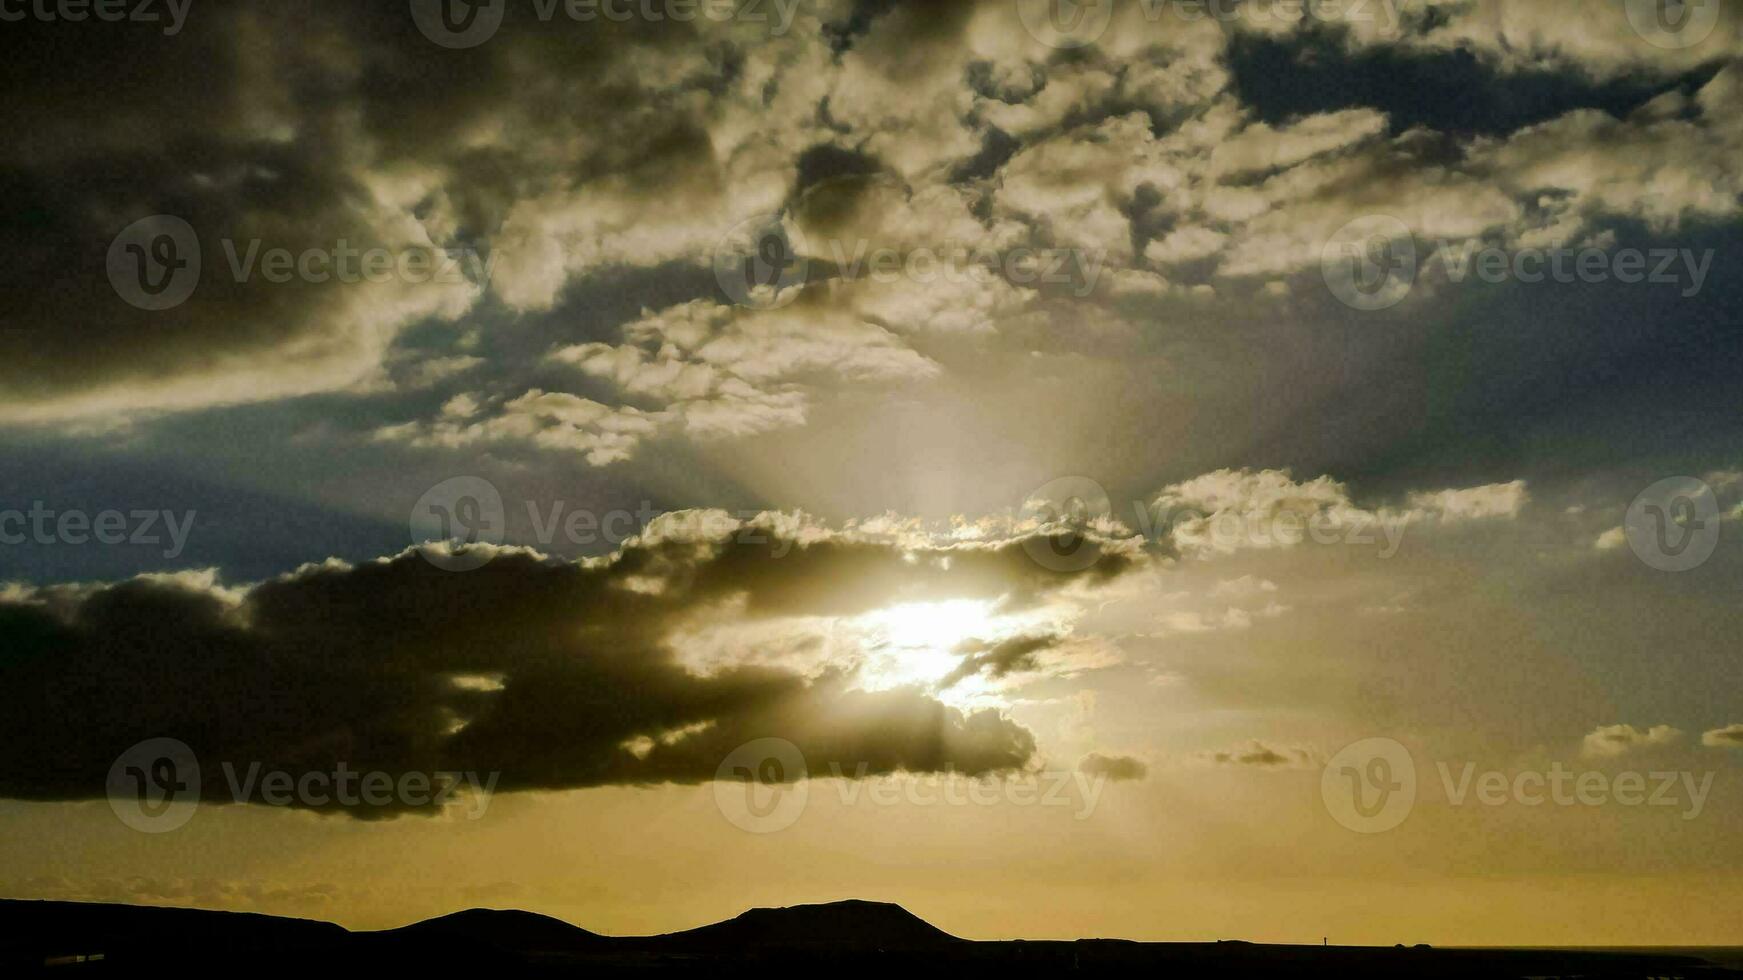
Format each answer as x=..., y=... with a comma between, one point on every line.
x=916, y=642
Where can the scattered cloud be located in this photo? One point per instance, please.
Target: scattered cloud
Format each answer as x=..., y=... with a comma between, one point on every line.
x=1610, y=741
x=1234, y=510
x=1258, y=755
x=1728, y=737
x=1118, y=768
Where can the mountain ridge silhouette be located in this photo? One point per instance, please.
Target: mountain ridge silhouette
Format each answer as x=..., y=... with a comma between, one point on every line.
x=43, y=936
x=500, y=928
x=852, y=923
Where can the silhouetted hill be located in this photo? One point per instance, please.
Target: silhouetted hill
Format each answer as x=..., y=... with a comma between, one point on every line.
x=32, y=932
x=842, y=925
x=508, y=929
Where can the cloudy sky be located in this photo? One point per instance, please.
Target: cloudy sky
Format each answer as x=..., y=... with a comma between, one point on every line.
x=1166, y=419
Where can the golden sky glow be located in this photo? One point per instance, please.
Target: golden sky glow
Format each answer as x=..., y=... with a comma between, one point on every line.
x=1198, y=479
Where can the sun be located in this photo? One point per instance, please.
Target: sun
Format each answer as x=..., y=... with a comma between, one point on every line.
x=916, y=642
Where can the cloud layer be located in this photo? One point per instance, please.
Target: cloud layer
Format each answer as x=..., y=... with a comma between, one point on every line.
x=557, y=675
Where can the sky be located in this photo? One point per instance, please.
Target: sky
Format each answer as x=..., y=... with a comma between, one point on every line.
x=1151, y=469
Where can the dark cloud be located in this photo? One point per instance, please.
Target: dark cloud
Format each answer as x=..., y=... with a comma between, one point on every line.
x=135, y=124
x=826, y=162
x=1018, y=653
x=1118, y=768
x=547, y=672
x=305, y=127
x=1261, y=756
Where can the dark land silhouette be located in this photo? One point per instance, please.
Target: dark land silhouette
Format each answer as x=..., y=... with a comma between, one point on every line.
x=72, y=939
